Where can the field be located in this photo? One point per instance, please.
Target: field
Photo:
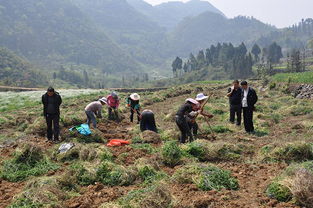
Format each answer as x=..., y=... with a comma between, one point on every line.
x=271, y=168
x=301, y=77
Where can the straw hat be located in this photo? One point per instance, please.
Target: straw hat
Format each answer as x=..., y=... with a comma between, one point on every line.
x=193, y=101
x=201, y=96
x=104, y=100
x=135, y=96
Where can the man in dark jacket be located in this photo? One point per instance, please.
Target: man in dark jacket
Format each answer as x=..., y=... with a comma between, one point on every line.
x=234, y=94
x=147, y=121
x=248, y=100
x=51, y=101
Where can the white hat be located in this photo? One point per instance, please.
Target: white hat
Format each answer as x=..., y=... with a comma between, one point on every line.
x=135, y=96
x=104, y=100
x=192, y=101
x=201, y=96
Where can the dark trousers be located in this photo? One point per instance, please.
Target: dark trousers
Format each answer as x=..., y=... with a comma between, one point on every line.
x=113, y=114
x=235, y=110
x=132, y=111
x=53, y=119
x=193, y=126
x=184, y=129
x=148, y=122
x=248, y=119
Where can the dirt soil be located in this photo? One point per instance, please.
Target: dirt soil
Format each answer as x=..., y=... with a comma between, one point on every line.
x=253, y=178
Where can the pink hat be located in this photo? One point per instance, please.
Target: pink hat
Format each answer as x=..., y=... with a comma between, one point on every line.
x=192, y=101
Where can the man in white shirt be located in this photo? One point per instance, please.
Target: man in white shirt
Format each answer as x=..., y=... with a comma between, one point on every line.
x=248, y=100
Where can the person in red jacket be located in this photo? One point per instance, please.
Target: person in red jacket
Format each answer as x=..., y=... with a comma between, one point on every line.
x=113, y=104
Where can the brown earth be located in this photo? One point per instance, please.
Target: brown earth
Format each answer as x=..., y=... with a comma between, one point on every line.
x=253, y=178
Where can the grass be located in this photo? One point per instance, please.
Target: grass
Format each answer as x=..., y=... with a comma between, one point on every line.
x=29, y=162
x=171, y=153
x=301, y=77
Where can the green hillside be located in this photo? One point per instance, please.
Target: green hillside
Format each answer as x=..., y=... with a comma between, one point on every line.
x=50, y=33
x=16, y=71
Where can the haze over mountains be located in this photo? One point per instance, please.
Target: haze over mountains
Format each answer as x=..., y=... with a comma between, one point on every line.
x=114, y=36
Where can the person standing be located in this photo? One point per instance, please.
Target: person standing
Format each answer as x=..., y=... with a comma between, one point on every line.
x=147, y=121
x=249, y=99
x=133, y=103
x=51, y=101
x=234, y=94
x=94, y=109
x=182, y=121
x=113, y=104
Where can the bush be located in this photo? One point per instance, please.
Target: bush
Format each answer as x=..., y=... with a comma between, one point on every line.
x=278, y=191
x=41, y=192
x=171, y=153
x=205, y=177
x=213, y=178
x=154, y=196
x=113, y=175
x=207, y=151
x=302, y=187
x=29, y=162
x=299, y=151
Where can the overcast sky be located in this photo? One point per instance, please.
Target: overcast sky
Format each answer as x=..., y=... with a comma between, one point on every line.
x=280, y=13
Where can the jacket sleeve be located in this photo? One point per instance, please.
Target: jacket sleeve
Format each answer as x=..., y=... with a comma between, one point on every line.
x=255, y=97
x=60, y=100
x=43, y=99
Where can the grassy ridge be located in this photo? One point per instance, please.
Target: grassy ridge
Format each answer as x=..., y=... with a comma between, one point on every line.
x=301, y=77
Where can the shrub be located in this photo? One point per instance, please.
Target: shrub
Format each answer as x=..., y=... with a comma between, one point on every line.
x=217, y=179
x=279, y=192
x=83, y=176
x=41, y=192
x=113, y=175
x=29, y=162
x=301, y=110
x=207, y=151
x=171, y=153
x=298, y=151
x=302, y=187
x=154, y=196
x=206, y=177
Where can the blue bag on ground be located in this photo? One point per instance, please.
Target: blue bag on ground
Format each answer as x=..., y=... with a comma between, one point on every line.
x=82, y=129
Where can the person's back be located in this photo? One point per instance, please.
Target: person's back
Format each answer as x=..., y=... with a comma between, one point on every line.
x=95, y=106
x=147, y=121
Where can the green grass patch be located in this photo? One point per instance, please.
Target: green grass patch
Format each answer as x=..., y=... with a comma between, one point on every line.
x=171, y=153
x=30, y=162
x=301, y=77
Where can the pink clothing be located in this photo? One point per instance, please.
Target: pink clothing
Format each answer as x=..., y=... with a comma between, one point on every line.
x=112, y=102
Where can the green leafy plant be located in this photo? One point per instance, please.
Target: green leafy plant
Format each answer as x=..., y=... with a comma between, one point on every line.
x=279, y=192
x=171, y=153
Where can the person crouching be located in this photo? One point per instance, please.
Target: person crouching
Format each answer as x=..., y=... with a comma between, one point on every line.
x=94, y=109
x=181, y=119
x=113, y=104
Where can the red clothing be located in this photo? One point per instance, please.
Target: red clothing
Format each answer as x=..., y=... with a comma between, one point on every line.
x=113, y=102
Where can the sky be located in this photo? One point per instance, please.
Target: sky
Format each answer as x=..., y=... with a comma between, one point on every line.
x=281, y=13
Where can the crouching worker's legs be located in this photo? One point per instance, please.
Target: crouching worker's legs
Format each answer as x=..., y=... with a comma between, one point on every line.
x=184, y=129
x=91, y=118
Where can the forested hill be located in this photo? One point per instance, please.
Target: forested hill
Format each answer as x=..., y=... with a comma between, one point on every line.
x=16, y=71
x=54, y=32
x=141, y=37
x=208, y=28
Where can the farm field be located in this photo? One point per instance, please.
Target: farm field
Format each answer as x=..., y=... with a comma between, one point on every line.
x=271, y=168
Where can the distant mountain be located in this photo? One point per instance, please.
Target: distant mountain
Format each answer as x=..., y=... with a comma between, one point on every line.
x=208, y=28
x=169, y=14
x=16, y=71
x=51, y=33
x=132, y=30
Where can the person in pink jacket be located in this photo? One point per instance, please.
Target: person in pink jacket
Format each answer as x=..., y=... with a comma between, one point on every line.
x=113, y=104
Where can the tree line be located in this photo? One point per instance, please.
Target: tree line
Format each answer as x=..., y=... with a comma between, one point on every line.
x=235, y=61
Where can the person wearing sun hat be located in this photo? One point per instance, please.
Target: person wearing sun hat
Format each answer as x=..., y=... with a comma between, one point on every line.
x=94, y=108
x=133, y=103
x=181, y=119
x=193, y=125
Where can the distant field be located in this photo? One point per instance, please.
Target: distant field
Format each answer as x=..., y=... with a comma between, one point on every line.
x=302, y=77
x=16, y=100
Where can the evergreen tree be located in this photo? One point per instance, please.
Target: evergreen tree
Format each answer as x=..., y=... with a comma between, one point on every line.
x=201, y=59
x=274, y=53
x=256, y=52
